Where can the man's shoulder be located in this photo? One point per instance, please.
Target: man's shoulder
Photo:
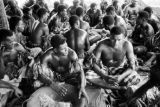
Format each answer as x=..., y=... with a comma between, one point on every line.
x=127, y=43
x=49, y=51
x=104, y=42
x=72, y=54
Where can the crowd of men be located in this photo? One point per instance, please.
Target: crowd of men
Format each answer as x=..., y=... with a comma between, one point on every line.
x=80, y=56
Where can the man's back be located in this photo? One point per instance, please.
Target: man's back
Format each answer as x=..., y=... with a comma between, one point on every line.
x=40, y=31
x=77, y=40
x=84, y=25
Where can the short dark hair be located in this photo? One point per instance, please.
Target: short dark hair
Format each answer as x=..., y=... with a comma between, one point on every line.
x=13, y=22
x=5, y=33
x=73, y=19
x=61, y=8
x=149, y=10
x=110, y=9
x=108, y=20
x=116, y=30
x=35, y=8
x=26, y=10
x=143, y=15
x=93, y=5
x=79, y=11
x=41, y=12
x=57, y=40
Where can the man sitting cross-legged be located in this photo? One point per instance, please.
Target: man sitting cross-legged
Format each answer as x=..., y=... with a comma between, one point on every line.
x=77, y=39
x=63, y=61
x=113, y=52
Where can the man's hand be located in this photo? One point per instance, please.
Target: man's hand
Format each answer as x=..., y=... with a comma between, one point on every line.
x=111, y=80
x=17, y=92
x=84, y=93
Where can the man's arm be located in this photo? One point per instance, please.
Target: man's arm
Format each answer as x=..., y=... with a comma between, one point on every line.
x=97, y=52
x=4, y=84
x=87, y=43
x=45, y=37
x=74, y=59
x=130, y=54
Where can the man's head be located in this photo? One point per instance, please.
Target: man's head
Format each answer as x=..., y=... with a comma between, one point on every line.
x=93, y=7
x=16, y=24
x=111, y=11
x=134, y=2
x=56, y=4
x=61, y=1
x=6, y=36
x=117, y=34
x=76, y=3
x=115, y=3
x=59, y=44
x=35, y=8
x=142, y=18
x=62, y=10
x=149, y=10
x=12, y=3
x=79, y=12
x=74, y=21
x=27, y=11
x=108, y=21
x=42, y=14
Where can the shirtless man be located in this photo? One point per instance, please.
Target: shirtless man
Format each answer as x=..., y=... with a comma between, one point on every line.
x=83, y=24
x=58, y=23
x=77, y=39
x=59, y=58
x=17, y=26
x=4, y=84
x=11, y=50
x=131, y=12
x=72, y=10
x=119, y=21
x=112, y=52
x=142, y=34
x=39, y=31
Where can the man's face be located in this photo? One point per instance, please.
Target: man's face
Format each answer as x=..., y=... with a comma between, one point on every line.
x=9, y=40
x=76, y=2
x=45, y=17
x=94, y=8
x=139, y=21
x=20, y=26
x=116, y=39
x=63, y=49
x=64, y=13
x=134, y=2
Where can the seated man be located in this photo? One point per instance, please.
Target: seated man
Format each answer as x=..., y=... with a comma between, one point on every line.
x=83, y=24
x=153, y=20
x=113, y=53
x=72, y=9
x=4, y=84
x=39, y=31
x=12, y=53
x=17, y=26
x=143, y=33
x=131, y=12
x=94, y=15
x=77, y=39
x=58, y=23
x=63, y=61
x=119, y=21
